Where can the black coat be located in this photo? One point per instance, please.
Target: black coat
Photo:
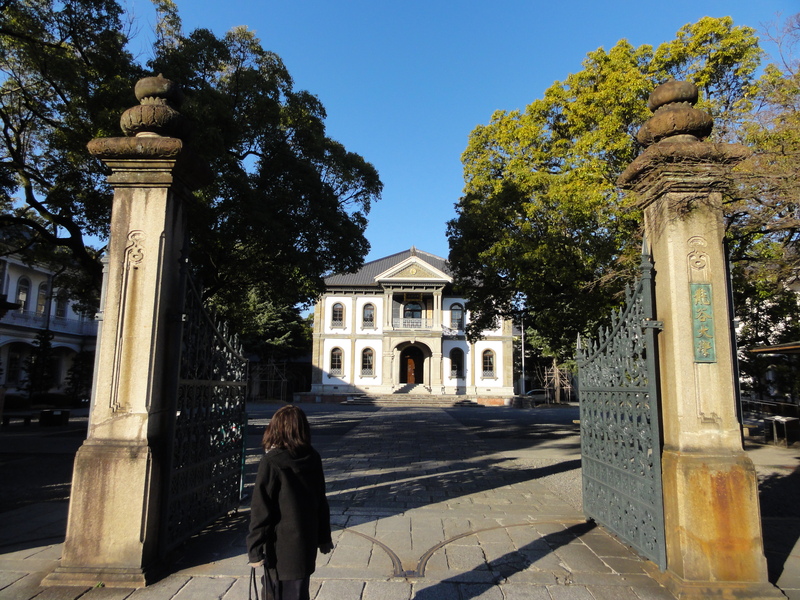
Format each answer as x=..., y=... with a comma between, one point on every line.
x=289, y=515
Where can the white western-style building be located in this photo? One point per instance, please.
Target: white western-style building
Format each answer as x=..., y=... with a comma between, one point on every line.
x=40, y=306
x=395, y=326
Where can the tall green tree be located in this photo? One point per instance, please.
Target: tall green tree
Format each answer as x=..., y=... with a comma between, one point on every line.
x=541, y=215
x=65, y=75
x=764, y=216
x=288, y=203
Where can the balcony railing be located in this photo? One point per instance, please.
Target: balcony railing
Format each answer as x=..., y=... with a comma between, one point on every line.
x=37, y=320
x=412, y=323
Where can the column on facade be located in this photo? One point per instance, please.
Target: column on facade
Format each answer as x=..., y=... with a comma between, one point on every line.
x=355, y=361
x=713, y=529
x=387, y=373
x=437, y=309
x=114, y=527
x=387, y=309
x=472, y=367
x=508, y=355
x=437, y=368
x=319, y=328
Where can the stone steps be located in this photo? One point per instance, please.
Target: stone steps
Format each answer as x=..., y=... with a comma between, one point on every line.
x=411, y=400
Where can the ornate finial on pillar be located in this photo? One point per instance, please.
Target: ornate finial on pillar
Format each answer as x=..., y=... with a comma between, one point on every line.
x=155, y=130
x=156, y=114
x=674, y=138
x=674, y=117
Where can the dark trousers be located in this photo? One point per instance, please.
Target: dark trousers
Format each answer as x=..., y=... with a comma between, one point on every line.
x=291, y=589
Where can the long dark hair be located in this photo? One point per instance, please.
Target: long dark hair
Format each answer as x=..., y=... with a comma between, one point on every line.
x=288, y=429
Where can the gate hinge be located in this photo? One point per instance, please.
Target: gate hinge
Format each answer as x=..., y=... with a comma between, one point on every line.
x=650, y=324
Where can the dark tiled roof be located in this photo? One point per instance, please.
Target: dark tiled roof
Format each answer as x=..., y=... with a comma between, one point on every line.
x=366, y=275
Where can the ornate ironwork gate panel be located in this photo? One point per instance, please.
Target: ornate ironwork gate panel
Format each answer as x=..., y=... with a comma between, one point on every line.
x=208, y=441
x=620, y=425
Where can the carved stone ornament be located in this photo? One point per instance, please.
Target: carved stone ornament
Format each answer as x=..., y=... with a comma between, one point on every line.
x=674, y=138
x=674, y=115
x=136, y=147
x=698, y=259
x=156, y=114
x=135, y=251
x=155, y=132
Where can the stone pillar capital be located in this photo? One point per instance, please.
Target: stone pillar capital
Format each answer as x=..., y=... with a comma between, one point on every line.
x=687, y=167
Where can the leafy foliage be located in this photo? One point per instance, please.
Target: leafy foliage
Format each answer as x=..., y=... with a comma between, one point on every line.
x=288, y=203
x=541, y=215
x=65, y=77
x=764, y=217
x=38, y=366
x=270, y=331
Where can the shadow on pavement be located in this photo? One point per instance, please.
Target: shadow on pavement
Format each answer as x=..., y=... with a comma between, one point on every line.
x=504, y=567
x=780, y=514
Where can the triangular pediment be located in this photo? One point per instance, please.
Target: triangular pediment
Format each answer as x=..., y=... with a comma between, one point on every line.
x=413, y=269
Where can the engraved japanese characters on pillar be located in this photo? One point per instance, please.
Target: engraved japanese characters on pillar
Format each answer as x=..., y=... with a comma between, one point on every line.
x=701, y=299
x=703, y=323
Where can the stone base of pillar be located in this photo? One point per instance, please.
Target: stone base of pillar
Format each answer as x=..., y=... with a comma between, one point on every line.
x=113, y=517
x=92, y=577
x=718, y=590
x=713, y=527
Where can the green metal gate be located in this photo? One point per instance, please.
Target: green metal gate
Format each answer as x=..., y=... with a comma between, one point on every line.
x=207, y=438
x=620, y=425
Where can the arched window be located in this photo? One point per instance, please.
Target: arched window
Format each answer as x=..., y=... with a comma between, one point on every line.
x=337, y=315
x=368, y=316
x=41, y=299
x=488, y=363
x=61, y=305
x=336, y=362
x=457, y=317
x=23, y=293
x=456, y=363
x=412, y=310
x=367, y=362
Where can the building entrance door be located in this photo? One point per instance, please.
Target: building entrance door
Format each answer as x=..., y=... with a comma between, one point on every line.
x=411, y=364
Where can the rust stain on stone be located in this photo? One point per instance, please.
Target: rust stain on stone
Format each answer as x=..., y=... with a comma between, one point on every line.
x=725, y=532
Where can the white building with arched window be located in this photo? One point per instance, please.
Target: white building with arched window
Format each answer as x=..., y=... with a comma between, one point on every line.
x=395, y=327
x=39, y=309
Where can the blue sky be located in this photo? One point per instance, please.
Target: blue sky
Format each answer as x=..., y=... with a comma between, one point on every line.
x=404, y=83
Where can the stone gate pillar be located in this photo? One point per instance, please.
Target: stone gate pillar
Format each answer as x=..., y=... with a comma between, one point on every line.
x=117, y=489
x=713, y=525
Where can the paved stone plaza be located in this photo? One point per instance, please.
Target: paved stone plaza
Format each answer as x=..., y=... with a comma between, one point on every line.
x=426, y=503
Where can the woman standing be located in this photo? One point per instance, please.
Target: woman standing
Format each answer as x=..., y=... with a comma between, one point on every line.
x=289, y=515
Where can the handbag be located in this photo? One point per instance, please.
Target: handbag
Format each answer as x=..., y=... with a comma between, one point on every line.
x=269, y=586
x=252, y=590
